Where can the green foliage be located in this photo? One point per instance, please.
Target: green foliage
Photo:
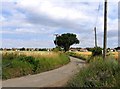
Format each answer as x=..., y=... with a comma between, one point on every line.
x=28, y=59
x=22, y=49
x=16, y=69
x=89, y=49
x=117, y=48
x=66, y=40
x=45, y=64
x=99, y=73
x=19, y=65
x=43, y=49
x=97, y=51
x=56, y=49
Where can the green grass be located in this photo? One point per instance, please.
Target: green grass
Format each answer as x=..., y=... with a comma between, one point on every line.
x=99, y=73
x=14, y=65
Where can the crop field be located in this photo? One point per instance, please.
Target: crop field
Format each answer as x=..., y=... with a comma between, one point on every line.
x=114, y=54
x=84, y=53
x=21, y=63
x=35, y=54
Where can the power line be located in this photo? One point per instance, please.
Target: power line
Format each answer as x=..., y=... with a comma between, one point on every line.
x=97, y=15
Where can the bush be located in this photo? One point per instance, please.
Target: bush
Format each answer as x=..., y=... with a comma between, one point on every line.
x=56, y=49
x=97, y=51
x=100, y=73
x=16, y=69
x=28, y=59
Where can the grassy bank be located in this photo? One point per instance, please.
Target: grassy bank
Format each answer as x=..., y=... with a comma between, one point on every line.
x=16, y=64
x=99, y=73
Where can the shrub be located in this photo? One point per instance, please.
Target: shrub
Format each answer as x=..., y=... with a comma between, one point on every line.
x=97, y=51
x=16, y=69
x=56, y=49
x=100, y=73
x=28, y=59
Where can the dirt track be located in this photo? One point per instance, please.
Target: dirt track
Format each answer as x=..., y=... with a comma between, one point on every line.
x=54, y=78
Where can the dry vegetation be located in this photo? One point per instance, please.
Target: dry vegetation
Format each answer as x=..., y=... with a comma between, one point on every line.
x=84, y=53
x=34, y=53
x=114, y=54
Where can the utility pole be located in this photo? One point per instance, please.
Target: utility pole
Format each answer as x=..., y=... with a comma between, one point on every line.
x=105, y=30
x=95, y=37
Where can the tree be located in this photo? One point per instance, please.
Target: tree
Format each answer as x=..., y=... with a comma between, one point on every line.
x=89, y=49
x=22, y=49
x=97, y=51
x=66, y=40
x=57, y=48
x=117, y=48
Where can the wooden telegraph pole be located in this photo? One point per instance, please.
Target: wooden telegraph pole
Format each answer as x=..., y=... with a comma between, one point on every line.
x=105, y=30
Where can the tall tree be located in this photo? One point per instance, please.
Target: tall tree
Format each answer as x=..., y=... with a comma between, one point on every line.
x=66, y=40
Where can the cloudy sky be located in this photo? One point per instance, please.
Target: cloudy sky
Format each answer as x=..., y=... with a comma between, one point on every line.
x=33, y=23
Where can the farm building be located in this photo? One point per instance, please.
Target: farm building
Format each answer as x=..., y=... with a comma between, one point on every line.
x=78, y=49
x=83, y=50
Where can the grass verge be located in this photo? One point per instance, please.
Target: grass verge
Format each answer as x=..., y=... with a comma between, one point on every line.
x=16, y=65
x=99, y=73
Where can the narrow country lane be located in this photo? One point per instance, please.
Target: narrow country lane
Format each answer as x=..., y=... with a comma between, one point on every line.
x=54, y=78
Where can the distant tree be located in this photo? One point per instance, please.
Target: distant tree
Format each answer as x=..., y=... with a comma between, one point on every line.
x=97, y=51
x=56, y=49
x=108, y=49
x=1, y=48
x=66, y=40
x=42, y=49
x=89, y=49
x=22, y=49
x=117, y=48
x=27, y=49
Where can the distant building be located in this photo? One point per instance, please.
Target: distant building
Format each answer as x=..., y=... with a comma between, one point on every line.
x=111, y=50
x=78, y=49
x=118, y=50
x=83, y=50
x=73, y=50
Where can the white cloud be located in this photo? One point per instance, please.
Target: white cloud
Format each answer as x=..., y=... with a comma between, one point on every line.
x=27, y=43
x=50, y=16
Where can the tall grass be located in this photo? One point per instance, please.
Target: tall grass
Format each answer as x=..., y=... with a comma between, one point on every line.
x=99, y=73
x=16, y=64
